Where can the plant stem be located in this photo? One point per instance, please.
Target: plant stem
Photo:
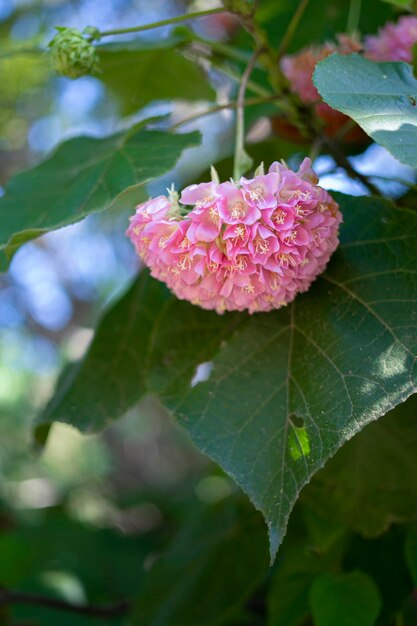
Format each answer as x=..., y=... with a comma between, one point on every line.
x=343, y=161
x=354, y=16
x=223, y=49
x=222, y=107
x=242, y=161
x=292, y=27
x=235, y=76
x=171, y=20
x=16, y=597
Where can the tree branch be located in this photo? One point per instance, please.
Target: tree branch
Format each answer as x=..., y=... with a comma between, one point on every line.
x=9, y=597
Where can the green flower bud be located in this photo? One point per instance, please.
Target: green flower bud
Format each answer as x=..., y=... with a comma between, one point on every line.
x=72, y=54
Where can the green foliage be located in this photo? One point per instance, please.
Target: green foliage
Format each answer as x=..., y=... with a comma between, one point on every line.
x=284, y=390
x=321, y=20
x=383, y=560
x=345, y=600
x=319, y=392
x=137, y=73
x=216, y=562
x=311, y=547
x=84, y=175
x=373, y=473
x=380, y=97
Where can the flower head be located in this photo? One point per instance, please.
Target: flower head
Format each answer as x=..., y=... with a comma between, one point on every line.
x=72, y=54
x=393, y=42
x=252, y=244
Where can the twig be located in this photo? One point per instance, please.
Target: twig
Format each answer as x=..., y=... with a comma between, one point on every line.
x=344, y=162
x=8, y=597
x=222, y=107
x=292, y=27
x=353, y=16
x=167, y=22
x=241, y=158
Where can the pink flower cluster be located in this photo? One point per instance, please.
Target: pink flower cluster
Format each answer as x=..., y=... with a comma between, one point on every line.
x=249, y=245
x=299, y=67
x=394, y=42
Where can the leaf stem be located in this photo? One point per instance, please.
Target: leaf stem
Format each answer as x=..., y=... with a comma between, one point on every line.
x=242, y=161
x=8, y=597
x=292, y=27
x=353, y=16
x=171, y=20
x=222, y=107
x=223, y=49
x=343, y=161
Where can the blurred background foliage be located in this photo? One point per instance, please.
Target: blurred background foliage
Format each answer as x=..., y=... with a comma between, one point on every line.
x=85, y=519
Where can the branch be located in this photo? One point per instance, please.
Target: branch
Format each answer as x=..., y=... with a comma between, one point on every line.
x=8, y=597
x=222, y=107
x=167, y=22
x=292, y=27
x=344, y=162
x=242, y=161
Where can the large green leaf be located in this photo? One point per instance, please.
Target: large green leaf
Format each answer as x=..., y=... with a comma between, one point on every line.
x=137, y=73
x=370, y=482
x=282, y=391
x=345, y=600
x=215, y=563
x=380, y=97
x=82, y=176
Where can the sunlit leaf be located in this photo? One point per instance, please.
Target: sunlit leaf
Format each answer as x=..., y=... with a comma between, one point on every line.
x=84, y=175
x=380, y=97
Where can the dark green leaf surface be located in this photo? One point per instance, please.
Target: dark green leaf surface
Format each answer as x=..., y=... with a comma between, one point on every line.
x=380, y=97
x=345, y=600
x=311, y=547
x=138, y=73
x=370, y=482
x=383, y=560
x=411, y=553
x=82, y=176
x=214, y=564
x=283, y=390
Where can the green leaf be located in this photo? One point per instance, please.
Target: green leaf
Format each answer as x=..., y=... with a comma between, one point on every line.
x=383, y=560
x=380, y=97
x=84, y=175
x=137, y=73
x=320, y=20
x=282, y=391
x=311, y=547
x=345, y=600
x=374, y=473
x=213, y=566
x=411, y=553
x=403, y=4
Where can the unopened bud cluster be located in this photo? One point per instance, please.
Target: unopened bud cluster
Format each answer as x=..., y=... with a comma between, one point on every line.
x=72, y=53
